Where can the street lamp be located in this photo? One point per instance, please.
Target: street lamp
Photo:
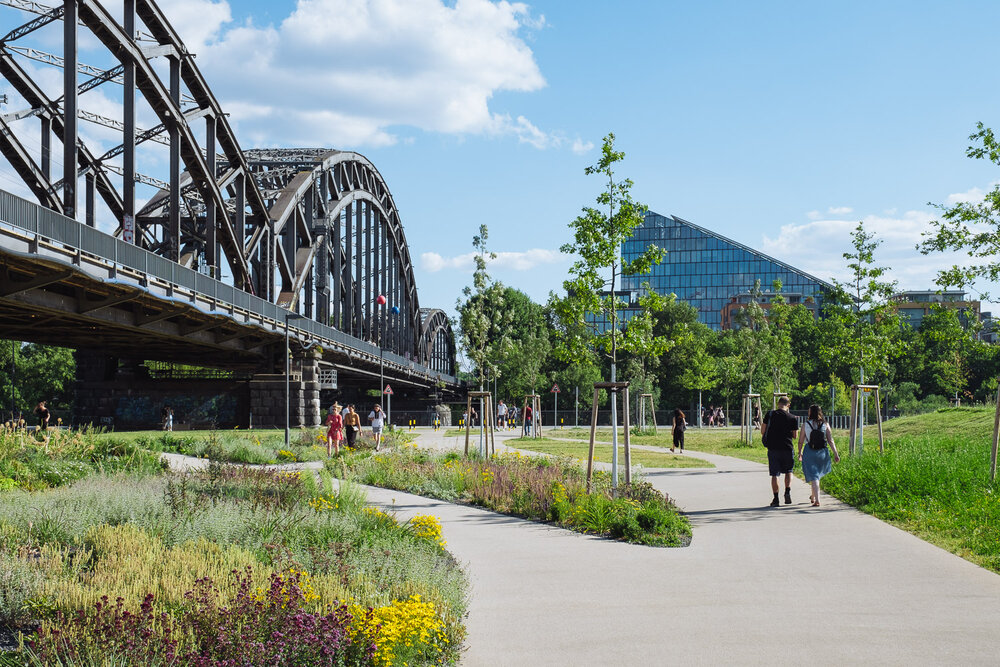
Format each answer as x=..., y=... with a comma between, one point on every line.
x=288, y=371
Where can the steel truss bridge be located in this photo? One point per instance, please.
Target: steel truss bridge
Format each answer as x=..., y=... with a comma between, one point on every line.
x=233, y=247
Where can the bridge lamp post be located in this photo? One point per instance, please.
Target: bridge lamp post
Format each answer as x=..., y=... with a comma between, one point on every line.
x=288, y=372
x=381, y=301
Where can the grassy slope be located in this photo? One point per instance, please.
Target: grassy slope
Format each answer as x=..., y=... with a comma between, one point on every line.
x=965, y=422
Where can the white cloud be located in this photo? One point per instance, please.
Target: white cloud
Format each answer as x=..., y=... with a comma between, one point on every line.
x=817, y=247
x=580, y=147
x=970, y=195
x=348, y=73
x=432, y=262
x=839, y=210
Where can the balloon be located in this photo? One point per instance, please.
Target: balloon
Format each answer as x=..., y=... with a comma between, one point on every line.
x=395, y=310
x=380, y=300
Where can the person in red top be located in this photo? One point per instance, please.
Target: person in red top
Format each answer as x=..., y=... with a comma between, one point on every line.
x=334, y=431
x=527, y=420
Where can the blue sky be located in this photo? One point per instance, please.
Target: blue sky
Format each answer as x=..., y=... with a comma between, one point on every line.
x=778, y=124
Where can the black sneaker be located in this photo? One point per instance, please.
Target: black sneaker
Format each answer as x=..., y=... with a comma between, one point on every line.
x=788, y=496
x=775, y=503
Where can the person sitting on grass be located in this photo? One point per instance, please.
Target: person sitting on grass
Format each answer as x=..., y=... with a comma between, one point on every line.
x=815, y=458
x=778, y=433
x=335, y=430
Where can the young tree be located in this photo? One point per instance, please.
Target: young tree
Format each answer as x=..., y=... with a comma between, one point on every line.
x=970, y=227
x=868, y=315
x=753, y=340
x=522, y=365
x=591, y=290
x=482, y=316
x=779, y=326
x=946, y=345
x=869, y=318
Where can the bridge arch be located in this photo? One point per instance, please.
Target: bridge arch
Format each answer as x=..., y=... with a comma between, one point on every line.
x=313, y=230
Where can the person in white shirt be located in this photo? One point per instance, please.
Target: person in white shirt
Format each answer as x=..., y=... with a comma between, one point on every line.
x=501, y=416
x=377, y=419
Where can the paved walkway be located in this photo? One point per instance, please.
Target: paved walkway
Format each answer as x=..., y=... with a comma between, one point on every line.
x=758, y=585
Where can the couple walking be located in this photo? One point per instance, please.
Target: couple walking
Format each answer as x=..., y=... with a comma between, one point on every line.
x=778, y=432
x=350, y=422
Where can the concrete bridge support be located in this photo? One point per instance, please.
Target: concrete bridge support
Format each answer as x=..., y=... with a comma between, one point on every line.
x=117, y=394
x=267, y=395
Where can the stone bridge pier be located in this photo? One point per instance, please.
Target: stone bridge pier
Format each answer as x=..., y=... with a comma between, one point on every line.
x=267, y=393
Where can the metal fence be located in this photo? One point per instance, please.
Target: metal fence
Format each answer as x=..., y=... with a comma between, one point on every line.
x=40, y=221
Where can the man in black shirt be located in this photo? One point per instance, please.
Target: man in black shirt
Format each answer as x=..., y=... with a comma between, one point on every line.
x=779, y=429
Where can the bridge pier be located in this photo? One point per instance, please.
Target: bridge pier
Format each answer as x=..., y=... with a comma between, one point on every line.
x=267, y=394
x=124, y=395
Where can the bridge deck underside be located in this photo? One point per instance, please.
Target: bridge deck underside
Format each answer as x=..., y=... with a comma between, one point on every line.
x=58, y=301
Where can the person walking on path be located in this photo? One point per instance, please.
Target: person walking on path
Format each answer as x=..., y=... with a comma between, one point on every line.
x=352, y=424
x=678, y=430
x=377, y=419
x=334, y=430
x=778, y=433
x=168, y=418
x=815, y=458
x=527, y=420
x=43, y=416
x=501, y=415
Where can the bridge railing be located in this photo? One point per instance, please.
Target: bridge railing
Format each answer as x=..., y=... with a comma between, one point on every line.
x=38, y=220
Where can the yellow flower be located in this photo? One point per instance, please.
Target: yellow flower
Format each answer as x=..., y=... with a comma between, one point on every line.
x=428, y=528
x=403, y=623
x=325, y=503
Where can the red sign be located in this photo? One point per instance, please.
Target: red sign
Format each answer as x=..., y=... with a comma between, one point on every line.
x=387, y=390
x=554, y=390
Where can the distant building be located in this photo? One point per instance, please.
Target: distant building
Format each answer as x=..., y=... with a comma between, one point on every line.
x=765, y=300
x=710, y=271
x=914, y=306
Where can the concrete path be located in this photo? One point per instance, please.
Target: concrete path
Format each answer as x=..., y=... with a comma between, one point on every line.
x=758, y=585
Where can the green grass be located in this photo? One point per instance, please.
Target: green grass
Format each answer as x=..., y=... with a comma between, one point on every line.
x=972, y=423
x=602, y=453
x=41, y=460
x=724, y=442
x=259, y=446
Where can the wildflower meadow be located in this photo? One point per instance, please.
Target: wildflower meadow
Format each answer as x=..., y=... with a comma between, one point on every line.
x=231, y=565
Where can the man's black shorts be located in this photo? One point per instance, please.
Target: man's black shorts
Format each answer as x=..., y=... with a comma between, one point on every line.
x=780, y=461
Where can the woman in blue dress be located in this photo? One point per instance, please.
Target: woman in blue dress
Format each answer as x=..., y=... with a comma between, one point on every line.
x=815, y=456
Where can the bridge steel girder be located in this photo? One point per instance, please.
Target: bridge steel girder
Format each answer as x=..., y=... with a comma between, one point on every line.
x=313, y=230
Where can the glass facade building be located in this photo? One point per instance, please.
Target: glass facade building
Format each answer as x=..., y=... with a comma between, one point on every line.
x=708, y=270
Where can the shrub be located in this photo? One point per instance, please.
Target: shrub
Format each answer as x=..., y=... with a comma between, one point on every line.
x=540, y=488
x=19, y=583
x=235, y=626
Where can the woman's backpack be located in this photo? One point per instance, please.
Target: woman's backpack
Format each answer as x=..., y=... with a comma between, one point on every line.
x=817, y=437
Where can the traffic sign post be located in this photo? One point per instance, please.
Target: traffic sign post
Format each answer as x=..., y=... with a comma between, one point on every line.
x=388, y=403
x=128, y=229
